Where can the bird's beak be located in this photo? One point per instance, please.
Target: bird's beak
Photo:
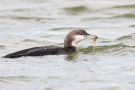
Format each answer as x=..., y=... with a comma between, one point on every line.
x=93, y=37
x=86, y=34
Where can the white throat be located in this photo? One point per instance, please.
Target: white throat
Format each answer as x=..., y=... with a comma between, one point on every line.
x=77, y=39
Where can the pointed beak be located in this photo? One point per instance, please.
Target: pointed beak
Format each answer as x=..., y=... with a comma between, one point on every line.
x=93, y=37
x=86, y=34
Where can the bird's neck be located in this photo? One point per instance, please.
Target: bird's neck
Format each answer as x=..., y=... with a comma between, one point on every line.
x=68, y=45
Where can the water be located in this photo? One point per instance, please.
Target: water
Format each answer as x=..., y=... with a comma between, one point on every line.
x=29, y=23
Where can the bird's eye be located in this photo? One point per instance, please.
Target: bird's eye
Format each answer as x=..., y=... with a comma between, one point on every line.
x=81, y=33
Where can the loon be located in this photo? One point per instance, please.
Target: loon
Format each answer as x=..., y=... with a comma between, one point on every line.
x=70, y=43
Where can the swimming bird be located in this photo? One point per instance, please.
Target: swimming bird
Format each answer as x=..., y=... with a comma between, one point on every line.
x=70, y=43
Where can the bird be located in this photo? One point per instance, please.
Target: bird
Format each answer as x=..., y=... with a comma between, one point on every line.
x=70, y=46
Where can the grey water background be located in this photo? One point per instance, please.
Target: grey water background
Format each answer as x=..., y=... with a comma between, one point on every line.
x=30, y=23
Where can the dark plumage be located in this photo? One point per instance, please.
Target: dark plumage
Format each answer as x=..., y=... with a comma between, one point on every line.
x=69, y=46
x=36, y=51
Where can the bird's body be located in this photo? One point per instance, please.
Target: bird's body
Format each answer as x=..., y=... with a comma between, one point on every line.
x=40, y=51
x=69, y=46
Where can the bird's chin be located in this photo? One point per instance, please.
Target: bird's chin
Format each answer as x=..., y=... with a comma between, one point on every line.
x=87, y=36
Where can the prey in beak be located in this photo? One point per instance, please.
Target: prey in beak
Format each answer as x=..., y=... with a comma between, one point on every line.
x=93, y=38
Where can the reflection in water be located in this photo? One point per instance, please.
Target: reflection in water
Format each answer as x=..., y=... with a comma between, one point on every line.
x=71, y=56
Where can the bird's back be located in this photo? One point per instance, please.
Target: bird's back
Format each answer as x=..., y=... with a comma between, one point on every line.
x=37, y=51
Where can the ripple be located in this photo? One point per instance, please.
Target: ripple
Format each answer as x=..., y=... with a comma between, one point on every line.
x=28, y=18
x=118, y=49
x=29, y=40
x=126, y=37
x=2, y=47
x=131, y=6
x=127, y=16
x=77, y=10
x=11, y=78
x=132, y=25
x=63, y=28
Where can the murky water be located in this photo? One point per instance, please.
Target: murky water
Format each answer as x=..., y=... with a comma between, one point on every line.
x=29, y=23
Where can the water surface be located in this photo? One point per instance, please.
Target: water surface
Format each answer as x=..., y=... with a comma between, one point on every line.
x=30, y=23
